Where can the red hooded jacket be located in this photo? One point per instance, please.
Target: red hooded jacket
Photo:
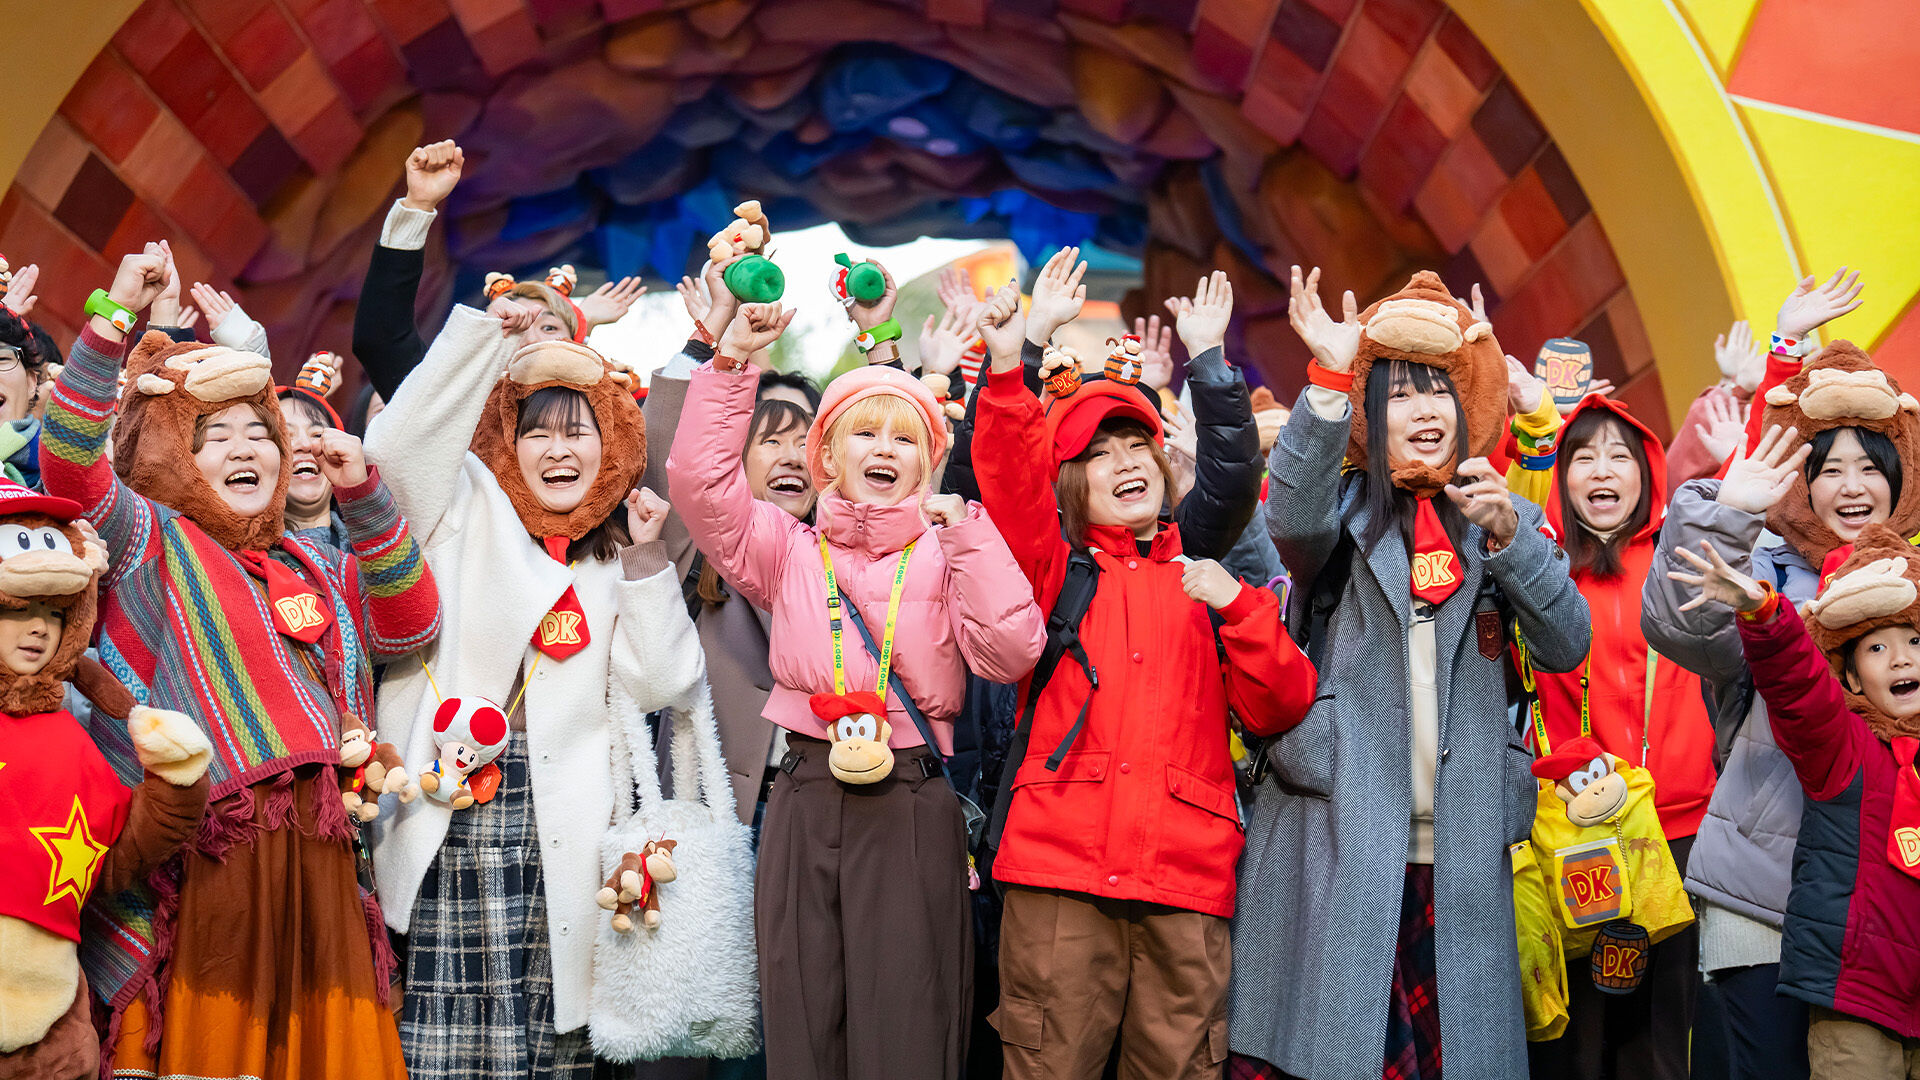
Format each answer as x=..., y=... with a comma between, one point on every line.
x=1143, y=807
x=1668, y=731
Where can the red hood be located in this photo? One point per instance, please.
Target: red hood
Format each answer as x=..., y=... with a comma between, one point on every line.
x=1656, y=464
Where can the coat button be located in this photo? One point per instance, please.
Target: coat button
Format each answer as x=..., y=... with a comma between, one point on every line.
x=1174, y=786
x=1125, y=768
x=1094, y=772
x=554, y=843
x=1132, y=564
x=565, y=930
x=1113, y=879
x=1139, y=658
x=544, y=757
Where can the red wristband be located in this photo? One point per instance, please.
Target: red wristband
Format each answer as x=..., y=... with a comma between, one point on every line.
x=701, y=332
x=723, y=362
x=1341, y=381
x=1768, y=608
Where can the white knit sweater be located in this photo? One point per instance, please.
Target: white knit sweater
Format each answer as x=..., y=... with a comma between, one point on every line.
x=495, y=585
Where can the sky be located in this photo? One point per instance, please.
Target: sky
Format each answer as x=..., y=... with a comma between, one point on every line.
x=653, y=331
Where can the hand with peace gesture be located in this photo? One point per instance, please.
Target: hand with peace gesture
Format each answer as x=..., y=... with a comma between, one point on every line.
x=1333, y=344
x=1755, y=482
x=1718, y=582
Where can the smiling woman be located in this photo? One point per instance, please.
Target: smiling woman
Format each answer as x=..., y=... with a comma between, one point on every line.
x=238, y=453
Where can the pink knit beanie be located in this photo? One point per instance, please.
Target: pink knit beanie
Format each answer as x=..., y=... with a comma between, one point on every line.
x=865, y=382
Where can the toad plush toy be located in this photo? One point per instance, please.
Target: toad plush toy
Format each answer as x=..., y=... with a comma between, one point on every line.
x=68, y=826
x=1424, y=324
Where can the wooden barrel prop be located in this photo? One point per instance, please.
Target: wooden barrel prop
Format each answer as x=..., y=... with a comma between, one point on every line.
x=1619, y=960
x=1567, y=367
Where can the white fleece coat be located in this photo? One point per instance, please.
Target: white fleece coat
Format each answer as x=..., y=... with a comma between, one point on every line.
x=495, y=585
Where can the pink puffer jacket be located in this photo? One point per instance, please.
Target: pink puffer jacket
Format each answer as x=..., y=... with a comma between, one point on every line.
x=965, y=602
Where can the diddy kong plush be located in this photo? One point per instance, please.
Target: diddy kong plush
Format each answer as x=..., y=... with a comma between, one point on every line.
x=68, y=826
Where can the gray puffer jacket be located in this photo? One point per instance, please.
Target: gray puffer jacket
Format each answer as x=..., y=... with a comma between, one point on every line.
x=1743, y=855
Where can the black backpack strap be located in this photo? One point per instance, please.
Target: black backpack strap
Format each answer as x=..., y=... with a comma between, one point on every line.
x=690, y=585
x=1063, y=639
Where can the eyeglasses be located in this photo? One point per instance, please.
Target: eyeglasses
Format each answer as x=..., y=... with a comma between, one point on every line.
x=9, y=358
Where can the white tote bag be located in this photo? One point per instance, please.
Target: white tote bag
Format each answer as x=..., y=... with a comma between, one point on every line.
x=689, y=988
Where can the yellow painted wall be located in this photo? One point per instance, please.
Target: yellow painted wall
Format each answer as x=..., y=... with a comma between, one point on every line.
x=48, y=46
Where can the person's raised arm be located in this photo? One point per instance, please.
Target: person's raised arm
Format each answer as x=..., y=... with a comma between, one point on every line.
x=386, y=340
x=1806, y=309
x=420, y=439
x=400, y=603
x=990, y=604
x=1529, y=567
x=1058, y=296
x=1303, y=505
x=706, y=471
x=1014, y=463
x=1227, y=465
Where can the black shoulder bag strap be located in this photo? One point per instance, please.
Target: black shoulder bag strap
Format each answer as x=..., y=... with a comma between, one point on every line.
x=933, y=764
x=690, y=585
x=1063, y=639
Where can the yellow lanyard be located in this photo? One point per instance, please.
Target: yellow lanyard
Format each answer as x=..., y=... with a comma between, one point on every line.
x=833, y=621
x=1538, y=715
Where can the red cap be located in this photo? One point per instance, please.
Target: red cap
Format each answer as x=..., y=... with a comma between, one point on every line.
x=1071, y=421
x=1573, y=754
x=831, y=707
x=16, y=499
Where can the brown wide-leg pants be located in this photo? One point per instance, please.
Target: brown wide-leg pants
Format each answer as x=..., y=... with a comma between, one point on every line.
x=862, y=914
x=1077, y=970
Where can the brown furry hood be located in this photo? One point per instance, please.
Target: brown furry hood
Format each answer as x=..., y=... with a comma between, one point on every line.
x=46, y=557
x=172, y=384
x=1876, y=587
x=1840, y=387
x=623, y=434
x=1424, y=324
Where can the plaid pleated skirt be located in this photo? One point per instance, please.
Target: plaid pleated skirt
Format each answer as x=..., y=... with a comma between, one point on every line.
x=1413, y=1009
x=479, y=975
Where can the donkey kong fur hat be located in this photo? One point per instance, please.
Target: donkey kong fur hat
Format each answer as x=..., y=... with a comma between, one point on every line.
x=623, y=434
x=1424, y=324
x=46, y=557
x=1876, y=587
x=1840, y=387
x=170, y=386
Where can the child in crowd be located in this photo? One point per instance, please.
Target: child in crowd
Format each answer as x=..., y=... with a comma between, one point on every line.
x=257, y=954
x=1122, y=830
x=1607, y=500
x=1406, y=776
x=861, y=910
x=517, y=453
x=1843, y=689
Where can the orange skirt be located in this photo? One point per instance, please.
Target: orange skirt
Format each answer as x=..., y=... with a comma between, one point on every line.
x=272, y=971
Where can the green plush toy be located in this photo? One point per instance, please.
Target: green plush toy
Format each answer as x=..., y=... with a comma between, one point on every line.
x=753, y=278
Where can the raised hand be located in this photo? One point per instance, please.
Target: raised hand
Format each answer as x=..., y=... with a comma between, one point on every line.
x=1525, y=390
x=944, y=509
x=217, y=304
x=1479, y=305
x=514, y=319
x=646, y=515
x=1058, y=295
x=1003, y=327
x=722, y=304
x=1755, y=482
x=142, y=277
x=166, y=306
x=20, y=298
x=1333, y=344
x=868, y=316
x=1484, y=500
x=1156, y=351
x=1202, y=318
x=1717, y=581
x=1740, y=363
x=1810, y=307
x=342, y=460
x=611, y=300
x=1722, y=428
x=955, y=289
x=432, y=173
x=944, y=342
x=758, y=327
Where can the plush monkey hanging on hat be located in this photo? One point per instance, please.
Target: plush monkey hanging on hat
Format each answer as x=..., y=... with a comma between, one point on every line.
x=69, y=827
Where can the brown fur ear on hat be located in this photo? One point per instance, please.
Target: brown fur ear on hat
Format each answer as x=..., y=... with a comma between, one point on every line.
x=1876, y=587
x=1424, y=324
x=1840, y=387
x=170, y=385
x=63, y=580
x=623, y=434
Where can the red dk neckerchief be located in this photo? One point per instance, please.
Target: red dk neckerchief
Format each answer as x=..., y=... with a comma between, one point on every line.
x=297, y=609
x=1831, y=564
x=562, y=631
x=1436, y=566
x=1903, y=838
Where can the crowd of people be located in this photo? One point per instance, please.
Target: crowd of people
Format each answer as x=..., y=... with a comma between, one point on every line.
x=1087, y=715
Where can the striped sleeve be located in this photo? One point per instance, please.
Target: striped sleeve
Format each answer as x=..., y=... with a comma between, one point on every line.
x=400, y=602
x=73, y=465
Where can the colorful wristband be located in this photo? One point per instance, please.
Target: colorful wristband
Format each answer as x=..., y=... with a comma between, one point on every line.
x=1537, y=462
x=1798, y=348
x=1768, y=608
x=1331, y=380
x=886, y=331
x=109, y=309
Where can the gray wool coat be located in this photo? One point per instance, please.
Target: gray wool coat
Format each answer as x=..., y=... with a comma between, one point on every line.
x=1320, y=883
